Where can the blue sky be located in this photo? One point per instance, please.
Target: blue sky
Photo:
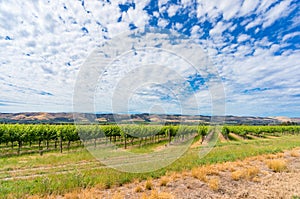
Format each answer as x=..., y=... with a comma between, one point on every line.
x=253, y=44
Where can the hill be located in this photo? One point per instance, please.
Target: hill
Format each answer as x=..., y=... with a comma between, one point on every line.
x=43, y=117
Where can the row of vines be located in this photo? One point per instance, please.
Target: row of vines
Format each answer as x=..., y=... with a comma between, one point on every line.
x=25, y=138
x=260, y=131
x=30, y=138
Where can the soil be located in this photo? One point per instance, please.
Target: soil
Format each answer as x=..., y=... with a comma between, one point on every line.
x=265, y=184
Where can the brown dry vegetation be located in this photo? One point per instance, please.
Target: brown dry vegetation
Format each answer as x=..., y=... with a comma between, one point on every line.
x=295, y=153
x=149, y=184
x=265, y=176
x=277, y=165
x=213, y=183
x=164, y=181
x=245, y=173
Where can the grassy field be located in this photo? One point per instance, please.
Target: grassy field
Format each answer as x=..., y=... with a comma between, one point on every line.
x=55, y=173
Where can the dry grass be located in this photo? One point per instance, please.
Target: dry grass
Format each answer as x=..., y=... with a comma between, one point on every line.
x=28, y=197
x=161, y=195
x=259, y=158
x=280, y=155
x=185, y=173
x=164, y=181
x=277, y=165
x=118, y=195
x=248, y=173
x=85, y=193
x=73, y=195
x=230, y=166
x=271, y=156
x=149, y=184
x=294, y=153
x=256, y=179
x=200, y=174
x=237, y=175
x=224, y=167
x=211, y=170
x=213, y=183
x=136, y=181
x=138, y=189
x=252, y=172
x=175, y=175
x=239, y=163
x=220, y=167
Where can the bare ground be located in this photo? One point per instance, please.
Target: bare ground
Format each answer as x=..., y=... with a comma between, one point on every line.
x=253, y=179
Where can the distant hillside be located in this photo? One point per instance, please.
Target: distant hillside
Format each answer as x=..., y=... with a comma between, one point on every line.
x=36, y=117
x=42, y=117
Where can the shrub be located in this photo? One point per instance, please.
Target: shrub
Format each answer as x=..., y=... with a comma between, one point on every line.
x=213, y=184
x=149, y=184
x=294, y=154
x=200, y=174
x=248, y=173
x=277, y=165
x=138, y=189
x=164, y=181
x=237, y=175
x=252, y=172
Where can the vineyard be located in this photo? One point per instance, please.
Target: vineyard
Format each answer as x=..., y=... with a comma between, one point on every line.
x=29, y=138
x=44, y=170
x=259, y=131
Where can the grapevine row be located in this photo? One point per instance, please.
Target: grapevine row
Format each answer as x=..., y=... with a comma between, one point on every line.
x=260, y=131
x=44, y=134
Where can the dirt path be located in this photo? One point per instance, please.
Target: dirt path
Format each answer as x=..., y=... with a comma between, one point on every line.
x=250, y=178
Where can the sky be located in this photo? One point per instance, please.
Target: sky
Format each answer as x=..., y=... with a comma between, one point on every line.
x=253, y=47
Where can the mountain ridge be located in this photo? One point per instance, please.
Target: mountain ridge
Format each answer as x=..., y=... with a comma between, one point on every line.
x=63, y=117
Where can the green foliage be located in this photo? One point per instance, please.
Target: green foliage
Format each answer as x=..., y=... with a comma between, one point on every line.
x=24, y=135
x=260, y=131
x=43, y=134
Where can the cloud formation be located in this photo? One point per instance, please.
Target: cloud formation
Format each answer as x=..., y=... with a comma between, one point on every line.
x=253, y=44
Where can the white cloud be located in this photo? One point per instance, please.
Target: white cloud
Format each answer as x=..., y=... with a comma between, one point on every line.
x=151, y=76
x=172, y=10
x=162, y=23
x=248, y=7
x=253, y=76
x=219, y=28
x=291, y=35
x=269, y=13
x=243, y=37
x=264, y=6
x=213, y=8
x=208, y=8
x=278, y=11
x=229, y=9
x=43, y=45
x=254, y=23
